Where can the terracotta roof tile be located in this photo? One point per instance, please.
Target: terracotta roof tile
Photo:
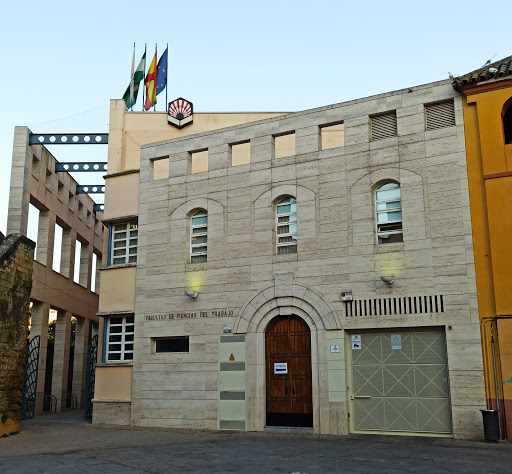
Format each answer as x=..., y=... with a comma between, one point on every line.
x=496, y=70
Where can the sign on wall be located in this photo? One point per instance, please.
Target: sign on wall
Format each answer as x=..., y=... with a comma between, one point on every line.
x=180, y=112
x=356, y=341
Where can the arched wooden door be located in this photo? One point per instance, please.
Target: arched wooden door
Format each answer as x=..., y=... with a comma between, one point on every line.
x=288, y=371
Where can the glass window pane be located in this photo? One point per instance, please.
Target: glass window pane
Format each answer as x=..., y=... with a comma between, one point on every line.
x=114, y=356
x=118, y=320
x=199, y=240
x=114, y=339
x=130, y=319
x=199, y=220
x=388, y=194
x=114, y=347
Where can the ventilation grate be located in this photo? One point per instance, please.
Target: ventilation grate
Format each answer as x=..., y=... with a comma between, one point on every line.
x=384, y=126
x=394, y=306
x=440, y=115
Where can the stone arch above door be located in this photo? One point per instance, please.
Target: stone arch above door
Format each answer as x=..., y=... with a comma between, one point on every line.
x=286, y=297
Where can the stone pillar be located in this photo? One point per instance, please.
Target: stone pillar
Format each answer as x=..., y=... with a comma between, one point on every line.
x=61, y=358
x=45, y=238
x=96, y=288
x=39, y=327
x=80, y=360
x=86, y=265
x=67, y=260
x=18, y=195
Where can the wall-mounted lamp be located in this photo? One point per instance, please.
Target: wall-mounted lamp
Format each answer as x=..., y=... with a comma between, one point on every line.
x=191, y=294
x=387, y=279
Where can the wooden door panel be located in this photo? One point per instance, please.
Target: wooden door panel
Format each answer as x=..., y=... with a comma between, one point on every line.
x=288, y=340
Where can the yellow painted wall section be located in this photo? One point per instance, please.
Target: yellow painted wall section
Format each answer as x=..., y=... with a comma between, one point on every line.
x=491, y=219
x=499, y=192
x=121, y=196
x=117, y=289
x=113, y=383
x=129, y=130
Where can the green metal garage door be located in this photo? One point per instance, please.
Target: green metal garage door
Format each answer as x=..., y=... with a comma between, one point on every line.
x=400, y=382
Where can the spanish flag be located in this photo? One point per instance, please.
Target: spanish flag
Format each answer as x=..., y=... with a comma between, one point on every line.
x=150, y=82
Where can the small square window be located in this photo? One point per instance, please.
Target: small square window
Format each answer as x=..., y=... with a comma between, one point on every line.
x=160, y=169
x=172, y=344
x=332, y=136
x=199, y=161
x=240, y=154
x=284, y=145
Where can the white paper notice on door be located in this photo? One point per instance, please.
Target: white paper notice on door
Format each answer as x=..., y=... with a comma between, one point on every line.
x=280, y=367
x=356, y=341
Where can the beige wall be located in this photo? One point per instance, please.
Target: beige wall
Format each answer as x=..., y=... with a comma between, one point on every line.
x=117, y=289
x=129, y=130
x=121, y=196
x=113, y=383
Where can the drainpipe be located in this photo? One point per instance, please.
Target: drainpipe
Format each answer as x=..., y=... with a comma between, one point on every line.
x=495, y=380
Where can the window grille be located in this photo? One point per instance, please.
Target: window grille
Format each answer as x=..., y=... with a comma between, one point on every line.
x=286, y=226
x=120, y=333
x=440, y=115
x=384, y=126
x=388, y=208
x=395, y=306
x=124, y=243
x=199, y=237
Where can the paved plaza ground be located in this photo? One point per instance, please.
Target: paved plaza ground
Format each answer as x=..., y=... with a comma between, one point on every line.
x=63, y=443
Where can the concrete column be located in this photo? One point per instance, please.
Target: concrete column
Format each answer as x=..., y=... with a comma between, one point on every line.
x=61, y=358
x=80, y=360
x=39, y=327
x=86, y=265
x=67, y=260
x=46, y=238
x=97, y=282
x=18, y=193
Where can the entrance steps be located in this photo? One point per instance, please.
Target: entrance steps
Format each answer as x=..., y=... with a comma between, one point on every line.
x=288, y=429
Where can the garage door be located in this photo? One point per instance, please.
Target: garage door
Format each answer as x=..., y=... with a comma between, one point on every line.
x=400, y=382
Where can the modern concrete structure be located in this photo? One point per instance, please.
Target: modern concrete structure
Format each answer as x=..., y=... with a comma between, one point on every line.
x=487, y=104
x=54, y=194
x=310, y=269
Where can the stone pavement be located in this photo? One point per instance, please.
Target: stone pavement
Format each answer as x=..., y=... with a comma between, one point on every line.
x=63, y=443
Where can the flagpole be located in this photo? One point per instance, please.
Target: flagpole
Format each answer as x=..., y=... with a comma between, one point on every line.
x=133, y=72
x=156, y=70
x=166, y=75
x=143, y=76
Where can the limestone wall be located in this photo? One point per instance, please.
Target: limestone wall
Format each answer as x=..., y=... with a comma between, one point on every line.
x=16, y=259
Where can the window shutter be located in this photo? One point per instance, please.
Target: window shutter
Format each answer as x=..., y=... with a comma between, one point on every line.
x=384, y=126
x=440, y=115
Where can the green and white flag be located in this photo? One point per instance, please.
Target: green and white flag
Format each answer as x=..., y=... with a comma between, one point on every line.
x=130, y=96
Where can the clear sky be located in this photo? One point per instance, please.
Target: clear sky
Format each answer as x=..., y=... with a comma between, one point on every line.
x=63, y=61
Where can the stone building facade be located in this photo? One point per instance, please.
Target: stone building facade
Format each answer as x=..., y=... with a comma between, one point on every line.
x=16, y=261
x=325, y=280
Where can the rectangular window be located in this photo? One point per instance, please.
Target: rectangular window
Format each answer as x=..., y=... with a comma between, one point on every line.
x=383, y=126
x=439, y=115
x=286, y=226
x=78, y=255
x=199, y=161
x=388, y=206
x=93, y=271
x=332, y=136
x=57, y=248
x=284, y=145
x=199, y=237
x=120, y=333
x=160, y=169
x=124, y=238
x=33, y=225
x=172, y=344
x=240, y=154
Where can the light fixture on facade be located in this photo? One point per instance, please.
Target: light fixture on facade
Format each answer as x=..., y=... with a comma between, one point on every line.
x=191, y=294
x=387, y=279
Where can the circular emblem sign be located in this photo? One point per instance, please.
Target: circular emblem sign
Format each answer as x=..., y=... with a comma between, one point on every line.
x=180, y=112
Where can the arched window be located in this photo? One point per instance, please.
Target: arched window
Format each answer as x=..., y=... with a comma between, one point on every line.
x=198, y=237
x=286, y=226
x=507, y=123
x=388, y=207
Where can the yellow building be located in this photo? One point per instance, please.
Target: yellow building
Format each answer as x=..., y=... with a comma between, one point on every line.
x=487, y=106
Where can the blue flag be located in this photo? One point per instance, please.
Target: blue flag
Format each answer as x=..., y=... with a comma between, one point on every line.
x=161, y=73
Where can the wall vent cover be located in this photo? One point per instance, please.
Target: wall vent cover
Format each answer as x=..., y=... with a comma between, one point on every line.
x=384, y=126
x=440, y=115
x=394, y=306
